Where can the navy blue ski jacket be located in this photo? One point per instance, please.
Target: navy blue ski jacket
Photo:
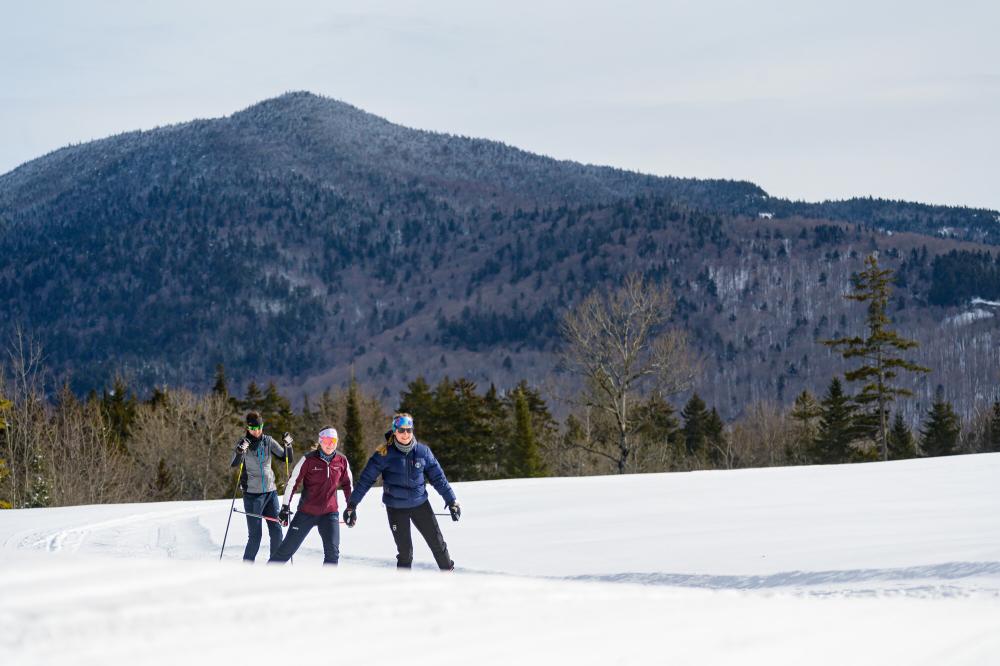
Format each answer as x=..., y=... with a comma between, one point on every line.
x=404, y=477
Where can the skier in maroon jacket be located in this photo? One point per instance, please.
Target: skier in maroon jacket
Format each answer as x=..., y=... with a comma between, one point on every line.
x=319, y=474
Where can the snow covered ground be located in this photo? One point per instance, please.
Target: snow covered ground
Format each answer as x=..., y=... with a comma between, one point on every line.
x=885, y=563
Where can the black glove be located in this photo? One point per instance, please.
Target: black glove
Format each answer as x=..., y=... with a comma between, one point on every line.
x=456, y=511
x=287, y=439
x=350, y=515
x=243, y=445
x=283, y=515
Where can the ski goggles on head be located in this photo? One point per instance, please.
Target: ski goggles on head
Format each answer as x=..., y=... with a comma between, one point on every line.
x=402, y=424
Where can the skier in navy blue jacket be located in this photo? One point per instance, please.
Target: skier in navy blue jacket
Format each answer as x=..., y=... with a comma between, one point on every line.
x=405, y=466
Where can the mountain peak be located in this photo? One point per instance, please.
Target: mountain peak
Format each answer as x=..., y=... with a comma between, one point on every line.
x=300, y=103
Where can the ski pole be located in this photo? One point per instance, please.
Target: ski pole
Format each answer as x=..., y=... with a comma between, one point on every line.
x=235, y=490
x=256, y=515
x=285, y=439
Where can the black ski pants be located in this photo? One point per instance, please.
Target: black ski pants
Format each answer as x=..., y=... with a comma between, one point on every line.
x=264, y=504
x=423, y=517
x=328, y=525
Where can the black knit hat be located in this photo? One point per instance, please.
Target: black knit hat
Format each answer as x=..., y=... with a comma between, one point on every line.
x=254, y=419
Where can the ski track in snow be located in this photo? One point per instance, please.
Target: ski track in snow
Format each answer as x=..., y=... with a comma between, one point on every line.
x=73, y=538
x=984, y=577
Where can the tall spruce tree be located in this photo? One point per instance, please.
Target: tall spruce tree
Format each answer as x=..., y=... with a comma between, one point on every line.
x=902, y=444
x=277, y=412
x=221, y=387
x=453, y=421
x=418, y=400
x=120, y=407
x=354, y=436
x=695, y=415
x=939, y=436
x=526, y=457
x=659, y=430
x=501, y=434
x=715, y=438
x=805, y=414
x=836, y=427
x=878, y=351
x=253, y=400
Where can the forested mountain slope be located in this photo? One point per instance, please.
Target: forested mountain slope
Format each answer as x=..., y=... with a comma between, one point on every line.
x=301, y=235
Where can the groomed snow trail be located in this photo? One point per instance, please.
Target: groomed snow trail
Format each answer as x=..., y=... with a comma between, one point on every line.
x=879, y=563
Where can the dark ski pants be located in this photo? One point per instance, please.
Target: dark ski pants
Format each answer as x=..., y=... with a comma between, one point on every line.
x=328, y=525
x=265, y=504
x=423, y=517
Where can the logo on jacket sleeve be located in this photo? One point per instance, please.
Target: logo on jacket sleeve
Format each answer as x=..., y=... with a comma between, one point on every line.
x=419, y=464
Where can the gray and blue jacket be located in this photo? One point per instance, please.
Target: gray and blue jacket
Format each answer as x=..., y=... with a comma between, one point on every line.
x=257, y=476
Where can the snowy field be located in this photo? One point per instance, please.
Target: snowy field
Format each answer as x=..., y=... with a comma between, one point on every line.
x=885, y=563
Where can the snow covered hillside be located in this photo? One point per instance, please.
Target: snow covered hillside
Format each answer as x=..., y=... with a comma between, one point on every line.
x=883, y=563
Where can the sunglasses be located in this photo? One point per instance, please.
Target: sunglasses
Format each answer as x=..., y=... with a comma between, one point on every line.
x=260, y=427
x=404, y=430
x=328, y=440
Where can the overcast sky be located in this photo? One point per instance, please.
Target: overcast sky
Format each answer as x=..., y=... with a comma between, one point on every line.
x=891, y=98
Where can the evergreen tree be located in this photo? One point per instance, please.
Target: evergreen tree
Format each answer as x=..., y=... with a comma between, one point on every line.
x=277, y=412
x=836, y=427
x=417, y=400
x=695, y=415
x=461, y=430
x=119, y=408
x=876, y=349
x=163, y=487
x=941, y=429
x=902, y=444
x=308, y=422
x=220, y=388
x=994, y=434
x=38, y=485
x=326, y=409
x=354, y=438
x=659, y=427
x=805, y=413
x=715, y=437
x=526, y=458
x=158, y=398
x=254, y=399
x=497, y=412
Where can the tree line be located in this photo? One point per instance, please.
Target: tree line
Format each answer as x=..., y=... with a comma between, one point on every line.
x=624, y=361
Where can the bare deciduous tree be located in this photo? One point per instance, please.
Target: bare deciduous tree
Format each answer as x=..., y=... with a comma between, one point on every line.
x=22, y=382
x=82, y=464
x=193, y=435
x=618, y=344
x=763, y=437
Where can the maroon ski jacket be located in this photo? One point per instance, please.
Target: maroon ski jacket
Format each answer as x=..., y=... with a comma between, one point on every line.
x=319, y=481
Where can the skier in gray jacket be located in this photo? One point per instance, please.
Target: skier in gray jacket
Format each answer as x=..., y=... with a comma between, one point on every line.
x=260, y=494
